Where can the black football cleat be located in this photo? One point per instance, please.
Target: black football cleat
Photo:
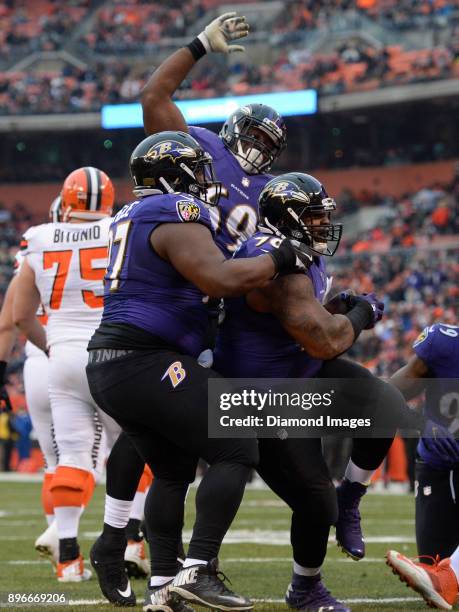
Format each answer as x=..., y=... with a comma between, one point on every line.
x=160, y=598
x=111, y=574
x=202, y=585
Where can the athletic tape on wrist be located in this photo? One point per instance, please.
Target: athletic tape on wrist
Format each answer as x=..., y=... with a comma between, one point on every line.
x=360, y=317
x=197, y=48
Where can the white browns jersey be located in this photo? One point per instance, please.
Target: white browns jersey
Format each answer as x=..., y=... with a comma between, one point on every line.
x=69, y=261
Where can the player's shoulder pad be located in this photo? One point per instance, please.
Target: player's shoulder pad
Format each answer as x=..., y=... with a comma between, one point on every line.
x=24, y=247
x=190, y=210
x=34, y=236
x=265, y=178
x=31, y=233
x=175, y=208
x=209, y=141
x=105, y=224
x=435, y=339
x=259, y=243
x=436, y=332
x=423, y=337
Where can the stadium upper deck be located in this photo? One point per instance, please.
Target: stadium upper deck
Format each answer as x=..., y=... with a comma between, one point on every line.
x=81, y=55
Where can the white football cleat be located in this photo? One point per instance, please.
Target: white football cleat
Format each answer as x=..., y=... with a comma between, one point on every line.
x=135, y=560
x=47, y=544
x=73, y=571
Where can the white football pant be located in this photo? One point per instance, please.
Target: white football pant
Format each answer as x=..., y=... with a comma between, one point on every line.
x=84, y=433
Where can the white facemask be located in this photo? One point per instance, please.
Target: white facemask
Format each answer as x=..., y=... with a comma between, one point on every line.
x=322, y=247
x=247, y=158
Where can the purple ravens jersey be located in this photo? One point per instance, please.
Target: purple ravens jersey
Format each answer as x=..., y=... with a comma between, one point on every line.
x=253, y=344
x=235, y=217
x=143, y=290
x=438, y=347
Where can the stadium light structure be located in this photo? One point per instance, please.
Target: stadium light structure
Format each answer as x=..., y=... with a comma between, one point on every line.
x=209, y=110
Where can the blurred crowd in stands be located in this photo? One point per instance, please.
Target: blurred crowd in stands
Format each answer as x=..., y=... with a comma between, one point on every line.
x=408, y=221
x=120, y=25
x=418, y=275
x=129, y=26
x=420, y=287
x=41, y=25
x=351, y=68
x=399, y=14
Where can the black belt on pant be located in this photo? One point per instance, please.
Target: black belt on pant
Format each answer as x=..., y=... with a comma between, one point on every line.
x=106, y=354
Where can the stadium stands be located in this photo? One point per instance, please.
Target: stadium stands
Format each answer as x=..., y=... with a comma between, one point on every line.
x=101, y=32
x=73, y=89
x=42, y=25
x=420, y=287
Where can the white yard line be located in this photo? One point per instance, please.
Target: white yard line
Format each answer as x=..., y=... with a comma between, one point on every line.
x=19, y=477
x=245, y=536
x=383, y=600
x=289, y=560
x=26, y=562
x=241, y=560
x=360, y=600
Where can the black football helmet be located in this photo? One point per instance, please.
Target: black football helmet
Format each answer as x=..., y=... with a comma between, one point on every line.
x=253, y=154
x=172, y=162
x=296, y=206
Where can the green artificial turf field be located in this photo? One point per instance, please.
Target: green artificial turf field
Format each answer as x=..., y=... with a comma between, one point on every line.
x=256, y=555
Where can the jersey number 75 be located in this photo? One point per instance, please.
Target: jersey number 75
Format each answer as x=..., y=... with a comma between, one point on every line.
x=62, y=259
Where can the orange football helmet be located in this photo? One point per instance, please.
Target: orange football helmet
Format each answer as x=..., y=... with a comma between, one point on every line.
x=87, y=194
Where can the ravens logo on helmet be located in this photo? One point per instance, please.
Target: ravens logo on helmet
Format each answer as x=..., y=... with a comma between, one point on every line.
x=174, y=162
x=296, y=206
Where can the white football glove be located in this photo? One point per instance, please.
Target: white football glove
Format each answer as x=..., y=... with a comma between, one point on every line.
x=223, y=30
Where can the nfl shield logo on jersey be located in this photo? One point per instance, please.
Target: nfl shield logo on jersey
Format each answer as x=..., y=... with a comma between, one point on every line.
x=245, y=181
x=188, y=211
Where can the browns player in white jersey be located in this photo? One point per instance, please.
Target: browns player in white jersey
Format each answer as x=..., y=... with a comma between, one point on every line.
x=35, y=375
x=35, y=383
x=63, y=269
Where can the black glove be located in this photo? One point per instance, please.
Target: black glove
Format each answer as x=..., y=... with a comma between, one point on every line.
x=290, y=257
x=376, y=305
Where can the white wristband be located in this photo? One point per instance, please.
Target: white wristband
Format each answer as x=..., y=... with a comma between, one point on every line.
x=205, y=41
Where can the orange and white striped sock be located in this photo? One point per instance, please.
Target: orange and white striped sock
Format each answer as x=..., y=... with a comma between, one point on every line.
x=47, y=498
x=69, y=490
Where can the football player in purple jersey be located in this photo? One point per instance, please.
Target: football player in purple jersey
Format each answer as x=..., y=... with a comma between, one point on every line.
x=283, y=330
x=249, y=142
x=434, y=367
x=143, y=370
